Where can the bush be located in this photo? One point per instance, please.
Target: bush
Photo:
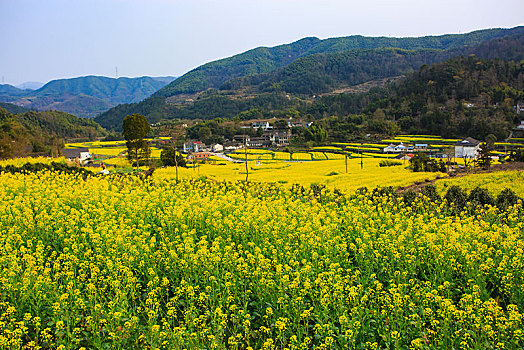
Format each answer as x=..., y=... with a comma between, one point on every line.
x=430, y=191
x=421, y=162
x=387, y=163
x=517, y=155
x=409, y=197
x=480, y=196
x=506, y=198
x=382, y=191
x=53, y=166
x=456, y=196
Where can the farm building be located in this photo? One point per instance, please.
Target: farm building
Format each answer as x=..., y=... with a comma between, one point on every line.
x=467, y=148
x=82, y=154
x=400, y=148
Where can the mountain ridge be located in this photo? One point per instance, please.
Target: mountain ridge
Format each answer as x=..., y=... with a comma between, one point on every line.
x=200, y=84
x=85, y=96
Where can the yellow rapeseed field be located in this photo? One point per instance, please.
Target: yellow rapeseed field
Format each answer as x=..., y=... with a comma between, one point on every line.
x=116, y=262
x=495, y=182
x=331, y=173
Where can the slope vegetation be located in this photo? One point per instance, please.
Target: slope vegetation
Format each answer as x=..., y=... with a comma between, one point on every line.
x=36, y=132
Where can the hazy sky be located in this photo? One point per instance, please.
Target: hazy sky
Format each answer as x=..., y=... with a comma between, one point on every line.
x=42, y=40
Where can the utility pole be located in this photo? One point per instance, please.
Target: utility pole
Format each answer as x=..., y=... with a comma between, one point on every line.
x=346, y=157
x=245, y=156
x=361, y=159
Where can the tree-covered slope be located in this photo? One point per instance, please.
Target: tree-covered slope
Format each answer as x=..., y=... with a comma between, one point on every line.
x=320, y=73
x=29, y=132
x=13, y=109
x=263, y=60
x=462, y=96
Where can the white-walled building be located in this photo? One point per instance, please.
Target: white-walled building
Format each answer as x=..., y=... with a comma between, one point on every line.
x=467, y=148
x=216, y=147
x=82, y=154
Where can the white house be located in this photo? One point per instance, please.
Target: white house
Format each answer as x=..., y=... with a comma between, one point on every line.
x=260, y=124
x=400, y=148
x=216, y=147
x=82, y=154
x=389, y=148
x=193, y=146
x=467, y=148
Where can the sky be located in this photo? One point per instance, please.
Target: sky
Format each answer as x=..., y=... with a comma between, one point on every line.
x=42, y=40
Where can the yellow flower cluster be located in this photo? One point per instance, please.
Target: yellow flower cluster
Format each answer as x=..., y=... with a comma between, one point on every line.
x=116, y=262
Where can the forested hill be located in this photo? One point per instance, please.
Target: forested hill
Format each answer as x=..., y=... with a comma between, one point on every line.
x=287, y=75
x=463, y=96
x=84, y=96
x=264, y=60
x=30, y=132
x=11, y=108
x=321, y=73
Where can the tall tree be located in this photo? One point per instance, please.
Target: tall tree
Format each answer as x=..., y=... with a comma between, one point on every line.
x=135, y=128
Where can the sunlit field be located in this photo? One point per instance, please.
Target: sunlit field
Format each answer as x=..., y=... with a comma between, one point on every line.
x=331, y=173
x=495, y=182
x=116, y=262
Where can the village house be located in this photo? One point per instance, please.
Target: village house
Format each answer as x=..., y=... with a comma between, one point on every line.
x=216, y=147
x=243, y=139
x=193, y=146
x=261, y=141
x=231, y=146
x=467, y=148
x=82, y=154
x=400, y=148
x=199, y=156
x=261, y=124
x=279, y=138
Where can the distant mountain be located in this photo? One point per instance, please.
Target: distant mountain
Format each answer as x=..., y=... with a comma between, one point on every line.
x=34, y=132
x=30, y=85
x=84, y=96
x=289, y=75
x=7, y=91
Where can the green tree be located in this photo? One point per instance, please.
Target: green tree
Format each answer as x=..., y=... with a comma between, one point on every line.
x=135, y=128
x=171, y=157
x=316, y=133
x=486, y=151
x=281, y=124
